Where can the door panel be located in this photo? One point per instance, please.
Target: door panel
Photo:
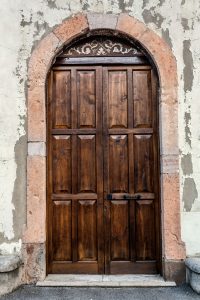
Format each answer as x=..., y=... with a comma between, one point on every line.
x=62, y=99
x=119, y=230
x=145, y=230
x=61, y=161
x=118, y=163
x=86, y=82
x=117, y=98
x=103, y=191
x=86, y=164
x=62, y=237
x=130, y=179
x=87, y=230
x=143, y=163
x=75, y=172
x=142, y=98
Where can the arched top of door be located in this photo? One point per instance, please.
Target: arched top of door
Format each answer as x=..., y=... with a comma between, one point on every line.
x=102, y=47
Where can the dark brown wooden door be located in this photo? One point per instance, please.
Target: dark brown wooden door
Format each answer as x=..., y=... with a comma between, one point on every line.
x=103, y=191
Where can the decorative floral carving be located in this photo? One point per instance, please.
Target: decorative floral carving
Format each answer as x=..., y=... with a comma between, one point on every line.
x=100, y=47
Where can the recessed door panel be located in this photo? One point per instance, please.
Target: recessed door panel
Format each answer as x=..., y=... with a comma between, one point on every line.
x=61, y=99
x=119, y=230
x=117, y=98
x=61, y=164
x=86, y=95
x=118, y=163
x=87, y=230
x=145, y=232
x=86, y=163
x=142, y=96
x=143, y=163
x=62, y=231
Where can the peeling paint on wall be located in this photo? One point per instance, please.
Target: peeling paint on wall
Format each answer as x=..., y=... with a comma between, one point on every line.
x=188, y=69
x=51, y=4
x=150, y=16
x=189, y=193
x=187, y=128
x=184, y=22
x=19, y=191
x=166, y=37
x=186, y=164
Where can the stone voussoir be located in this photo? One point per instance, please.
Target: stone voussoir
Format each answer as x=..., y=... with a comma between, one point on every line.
x=72, y=27
x=97, y=20
x=130, y=26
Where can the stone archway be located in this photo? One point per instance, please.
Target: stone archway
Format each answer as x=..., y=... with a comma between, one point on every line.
x=34, y=239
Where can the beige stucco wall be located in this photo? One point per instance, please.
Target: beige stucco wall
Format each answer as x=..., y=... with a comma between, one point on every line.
x=23, y=23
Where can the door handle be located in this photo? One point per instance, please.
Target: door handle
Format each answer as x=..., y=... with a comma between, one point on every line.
x=125, y=197
x=135, y=197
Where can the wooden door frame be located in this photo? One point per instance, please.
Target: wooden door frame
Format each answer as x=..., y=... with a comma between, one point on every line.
x=34, y=238
x=136, y=64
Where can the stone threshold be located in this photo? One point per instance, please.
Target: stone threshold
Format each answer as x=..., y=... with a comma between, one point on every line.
x=69, y=280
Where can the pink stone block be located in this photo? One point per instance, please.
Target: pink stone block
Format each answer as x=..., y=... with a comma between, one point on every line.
x=169, y=129
x=163, y=58
x=173, y=246
x=41, y=60
x=36, y=114
x=36, y=200
x=72, y=27
x=96, y=21
x=130, y=26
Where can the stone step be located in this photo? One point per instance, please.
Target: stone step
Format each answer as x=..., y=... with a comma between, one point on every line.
x=105, y=281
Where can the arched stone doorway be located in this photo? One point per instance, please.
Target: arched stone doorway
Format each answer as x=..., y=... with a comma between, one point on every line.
x=103, y=159
x=34, y=240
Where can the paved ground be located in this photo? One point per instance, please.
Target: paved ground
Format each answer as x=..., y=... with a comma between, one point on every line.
x=54, y=293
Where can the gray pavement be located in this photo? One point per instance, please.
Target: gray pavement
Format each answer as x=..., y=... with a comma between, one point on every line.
x=32, y=292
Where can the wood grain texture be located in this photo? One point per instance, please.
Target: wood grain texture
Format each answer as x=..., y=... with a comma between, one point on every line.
x=87, y=230
x=119, y=230
x=143, y=163
x=62, y=226
x=86, y=164
x=61, y=164
x=145, y=232
x=86, y=95
x=118, y=163
x=142, y=98
x=62, y=99
x=117, y=98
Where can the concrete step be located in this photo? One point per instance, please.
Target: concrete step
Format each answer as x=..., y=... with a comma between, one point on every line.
x=105, y=281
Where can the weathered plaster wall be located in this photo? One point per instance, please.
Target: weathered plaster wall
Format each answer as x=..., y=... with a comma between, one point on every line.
x=23, y=23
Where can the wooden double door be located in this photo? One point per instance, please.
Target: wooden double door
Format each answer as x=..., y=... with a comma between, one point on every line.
x=103, y=182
